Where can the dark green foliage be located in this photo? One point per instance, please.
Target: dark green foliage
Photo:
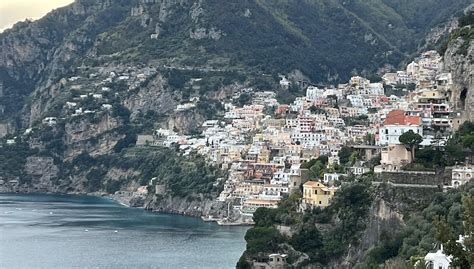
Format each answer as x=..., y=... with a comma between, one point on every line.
x=176, y=79
x=419, y=233
x=351, y=203
x=316, y=110
x=285, y=213
x=350, y=207
x=95, y=178
x=209, y=108
x=83, y=160
x=310, y=241
x=317, y=167
x=262, y=240
x=244, y=99
x=243, y=263
x=112, y=186
x=264, y=217
x=129, y=140
x=344, y=154
x=459, y=147
x=411, y=140
x=122, y=112
x=465, y=32
x=359, y=120
x=278, y=37
x=322, y=159
x=388, y=247
x=13, y=159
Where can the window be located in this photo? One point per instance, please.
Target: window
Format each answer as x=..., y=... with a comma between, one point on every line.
x=319, y=202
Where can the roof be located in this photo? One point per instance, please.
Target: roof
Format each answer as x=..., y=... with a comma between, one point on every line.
x=398, y=117
x=313, y=184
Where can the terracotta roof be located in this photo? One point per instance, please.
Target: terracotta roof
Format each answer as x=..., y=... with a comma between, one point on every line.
x=398, y=116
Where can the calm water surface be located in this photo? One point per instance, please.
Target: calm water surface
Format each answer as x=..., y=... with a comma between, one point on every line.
x=65, y=231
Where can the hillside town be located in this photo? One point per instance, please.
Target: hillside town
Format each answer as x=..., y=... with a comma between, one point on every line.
x=329, y=136
x=270, y=148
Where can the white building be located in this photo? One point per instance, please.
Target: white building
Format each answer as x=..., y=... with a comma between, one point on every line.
x=461, y=175
x=397, y=123
x=50, y=121
x=438, y=260
x=313, y=93
x=284, y=81
x=356, y=100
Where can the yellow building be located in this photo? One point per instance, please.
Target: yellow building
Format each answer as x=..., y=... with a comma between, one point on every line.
x=263, y=156
x=316, y=194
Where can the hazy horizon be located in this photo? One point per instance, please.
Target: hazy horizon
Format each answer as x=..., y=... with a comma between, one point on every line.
x=13, y=11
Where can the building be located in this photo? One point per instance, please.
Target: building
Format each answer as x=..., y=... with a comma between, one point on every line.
x=313, y=93
x=393, y=157
x=50, y=121
x=329, y=178
x=437, y=260
x=274, y=261
x=358, y=169
x=315, y=194
x=461, y=175
x=397, y=123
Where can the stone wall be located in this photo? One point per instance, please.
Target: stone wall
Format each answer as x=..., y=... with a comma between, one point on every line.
x=411, y=177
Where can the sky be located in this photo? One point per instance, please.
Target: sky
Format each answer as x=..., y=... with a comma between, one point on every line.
x=12, y=11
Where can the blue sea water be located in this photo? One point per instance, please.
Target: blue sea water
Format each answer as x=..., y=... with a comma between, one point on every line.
x=67, y=231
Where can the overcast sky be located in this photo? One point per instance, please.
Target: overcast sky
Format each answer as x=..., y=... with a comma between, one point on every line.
x=12, y=11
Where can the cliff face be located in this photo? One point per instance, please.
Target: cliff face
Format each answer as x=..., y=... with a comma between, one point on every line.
x=382, y=219
x=34, y=55
x=461, y=65
x=184, y=206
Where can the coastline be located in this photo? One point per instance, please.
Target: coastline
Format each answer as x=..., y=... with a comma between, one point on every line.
x=206, y=210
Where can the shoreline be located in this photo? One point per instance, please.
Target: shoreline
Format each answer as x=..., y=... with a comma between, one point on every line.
x=124, y=198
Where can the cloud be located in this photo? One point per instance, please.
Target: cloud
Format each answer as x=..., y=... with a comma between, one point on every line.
x=12, y=11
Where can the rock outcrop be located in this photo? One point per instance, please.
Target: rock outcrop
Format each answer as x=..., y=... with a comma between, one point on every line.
x=186, y=206
x=461, y=66
x=382, y=219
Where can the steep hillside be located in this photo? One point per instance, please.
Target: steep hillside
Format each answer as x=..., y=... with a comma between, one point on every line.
x=79, y=85
x=459, y=60
x=325, y=39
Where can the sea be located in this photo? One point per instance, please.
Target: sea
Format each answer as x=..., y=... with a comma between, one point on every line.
x=70, y=231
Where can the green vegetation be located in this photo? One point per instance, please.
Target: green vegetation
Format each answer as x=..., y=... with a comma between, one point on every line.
x=359, y=120
x=13, y=159
x=459, y=147
x=411, y=140
x=344, y=220
x=465, y=32
x=183, y=176
x=278, y=37
x=316, y=167
x=439, y=222
x=347, y=156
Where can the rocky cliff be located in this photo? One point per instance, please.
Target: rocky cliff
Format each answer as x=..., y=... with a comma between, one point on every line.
x=459, y=60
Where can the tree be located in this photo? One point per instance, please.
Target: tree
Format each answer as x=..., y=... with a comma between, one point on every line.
x=244, y=99
x=463, y=254
x=412, y=140
x=468, y=205
x=344, y=154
